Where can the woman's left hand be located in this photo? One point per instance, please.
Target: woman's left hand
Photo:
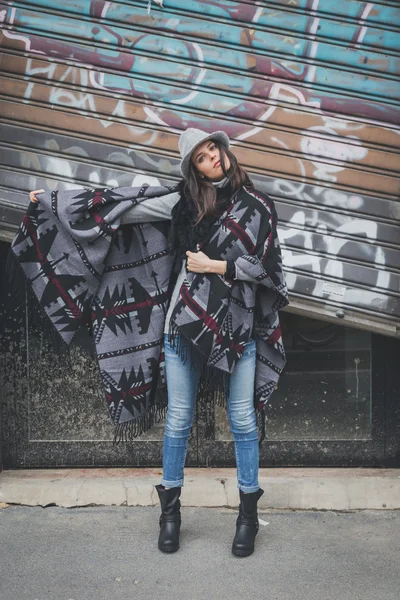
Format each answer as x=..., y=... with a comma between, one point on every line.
x=198, y=262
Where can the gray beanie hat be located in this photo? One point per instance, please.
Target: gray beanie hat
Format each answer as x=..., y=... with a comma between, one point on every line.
x=191, y=138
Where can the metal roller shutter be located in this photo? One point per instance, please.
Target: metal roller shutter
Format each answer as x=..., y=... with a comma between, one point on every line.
x=96, y=93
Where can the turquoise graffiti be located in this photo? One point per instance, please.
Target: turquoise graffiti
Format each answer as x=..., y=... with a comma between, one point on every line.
x=226, y=57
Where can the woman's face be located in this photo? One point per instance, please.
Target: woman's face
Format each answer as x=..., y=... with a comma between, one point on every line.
x=206, y=159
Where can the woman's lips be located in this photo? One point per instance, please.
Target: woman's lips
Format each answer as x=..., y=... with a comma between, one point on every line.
x=217, y=164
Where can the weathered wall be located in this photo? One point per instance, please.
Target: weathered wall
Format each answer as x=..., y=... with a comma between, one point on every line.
x=97, y=93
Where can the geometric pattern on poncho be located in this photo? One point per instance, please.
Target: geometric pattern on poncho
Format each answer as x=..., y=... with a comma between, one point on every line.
x=83, y=266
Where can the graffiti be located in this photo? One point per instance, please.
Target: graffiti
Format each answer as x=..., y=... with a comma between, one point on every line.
x=136, y=51
x=310, y=103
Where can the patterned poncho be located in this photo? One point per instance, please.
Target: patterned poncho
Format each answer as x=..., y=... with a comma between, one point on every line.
x=84, y=267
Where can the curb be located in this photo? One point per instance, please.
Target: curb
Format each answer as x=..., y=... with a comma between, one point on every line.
x=285, y=488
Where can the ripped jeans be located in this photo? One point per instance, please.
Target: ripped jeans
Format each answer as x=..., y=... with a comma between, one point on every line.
x=182, y=388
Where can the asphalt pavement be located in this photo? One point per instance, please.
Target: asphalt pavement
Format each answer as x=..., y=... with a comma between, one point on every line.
x=110, y=553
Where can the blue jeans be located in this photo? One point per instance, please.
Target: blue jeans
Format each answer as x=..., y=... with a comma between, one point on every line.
x=182, y=384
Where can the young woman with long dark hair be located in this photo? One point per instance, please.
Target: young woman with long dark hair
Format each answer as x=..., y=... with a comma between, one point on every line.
x=217, y=208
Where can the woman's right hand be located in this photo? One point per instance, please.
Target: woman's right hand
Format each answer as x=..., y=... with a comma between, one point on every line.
x=32, y=195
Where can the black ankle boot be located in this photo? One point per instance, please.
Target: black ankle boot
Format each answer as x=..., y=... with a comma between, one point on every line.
x=246, y=524
x=170, y=519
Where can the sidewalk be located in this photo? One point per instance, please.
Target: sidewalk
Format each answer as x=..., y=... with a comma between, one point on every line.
x=285, y=488
x=110, y=553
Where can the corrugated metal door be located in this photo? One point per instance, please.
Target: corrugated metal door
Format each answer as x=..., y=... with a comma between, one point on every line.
x=97, y=93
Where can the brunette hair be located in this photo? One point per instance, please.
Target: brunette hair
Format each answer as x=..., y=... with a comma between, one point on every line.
x=203, y=192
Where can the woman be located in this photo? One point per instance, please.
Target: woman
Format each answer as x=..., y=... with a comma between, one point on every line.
x=213, y=197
